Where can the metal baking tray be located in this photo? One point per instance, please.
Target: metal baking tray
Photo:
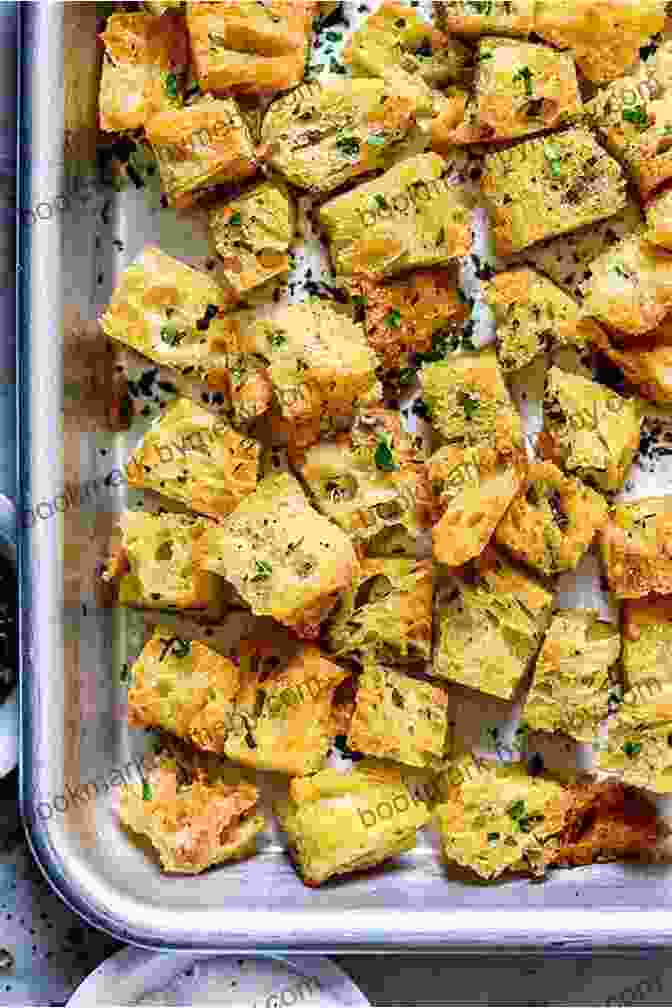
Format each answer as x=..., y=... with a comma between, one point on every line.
x=73, y=243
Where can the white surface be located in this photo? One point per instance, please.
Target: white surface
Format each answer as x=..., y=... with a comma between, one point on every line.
x=135, y=976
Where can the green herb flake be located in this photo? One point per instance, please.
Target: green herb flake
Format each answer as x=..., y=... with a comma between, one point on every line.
x=348, y=146
x=171, y=335
x=393, y=318
x=552, y=155
x=147, y=793
x=620, y=270
x=377, y=139
x=441, y=236
x=407, y=376
x=277, y=338
x=333, y=36
x=171, y=86
x=517, y=810
x=381, y=201
x=470, y=404
x=383, y=456
x=236, y=218
x=181, y=648
x=263, y=570
x=360, y=300
x=486, y=55
x=632, y=749
x=525, y=75
x=493, y=838
x=636, y=114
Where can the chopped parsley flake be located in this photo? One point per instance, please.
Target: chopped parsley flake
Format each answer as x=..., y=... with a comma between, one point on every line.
x=516, y=810
x=171, y=85
x=482, y=6
x=147, y=794
x=393, y=318
x=171, y=335
x=277, y=338
x=525, y=75
x=636, y=115
x=348, y=146
x=360, y=300
x=552, y=155
x=632, y=749
x=381, y=201
x=263, y=570
x=383, y=456
x=407, y=376
x=486, y=55
x=470, y=405
x=235, y=218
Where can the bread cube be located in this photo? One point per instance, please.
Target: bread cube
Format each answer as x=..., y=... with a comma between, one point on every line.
x=592, y=432
x=411, y=217
x=386, y=613
x=370, y=479
x=647, y=646
x=199, y=147
x=145, y=56
x=659, y=220
x=486, y=17
x=174, y=315
x=399, y=718
x=157, y=564
x=249, y=48
x=491, y=626
x=638, y=750
x=283, y=558
x=570, y=689
x=252, y=233
x=194, y=811
x=472, y=487
x=552, y=521
x=521, y=89
x=338, y=823
x=533, y=316
x=549, y=186
x=646, y=362
x=636, y=547
x=195, y=457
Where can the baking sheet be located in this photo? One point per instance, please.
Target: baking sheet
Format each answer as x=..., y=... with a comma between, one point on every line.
x=73, y=704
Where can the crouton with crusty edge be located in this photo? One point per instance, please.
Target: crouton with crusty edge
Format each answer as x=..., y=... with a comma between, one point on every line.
x=646, y=361
x=403, y=315
x=284, y=721
x=144, y=58
x=604, y=35
x=630, y=287
x=570, y=688
x=195, y=811
x=553, y=520
x=411, y=217
x=633, y=117
x=636, y=547
x=532, y=316
x=471, y=488
x=370, y=479
x=399, y=718
x=469, y=403
x=175, y=315
x=497, y=818
x=590, y=431
x=638, y=749
x=195, y=457
x=485, y=17
x=647, y=645
x=175, y=684
x=521, y=89
x=283, y=558
x=491, y=626
x=252, y=233
x=549, y=186
x=607, y=822
x=659, y=220
x=321, y=366
x=386, y=612
x=396, y=36
x=156, y=565
x=199, y=147
x=329, y=132
x=249, y=48
x=338, y=823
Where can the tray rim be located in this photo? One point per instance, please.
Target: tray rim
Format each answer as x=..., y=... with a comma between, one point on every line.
x=503, y=931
